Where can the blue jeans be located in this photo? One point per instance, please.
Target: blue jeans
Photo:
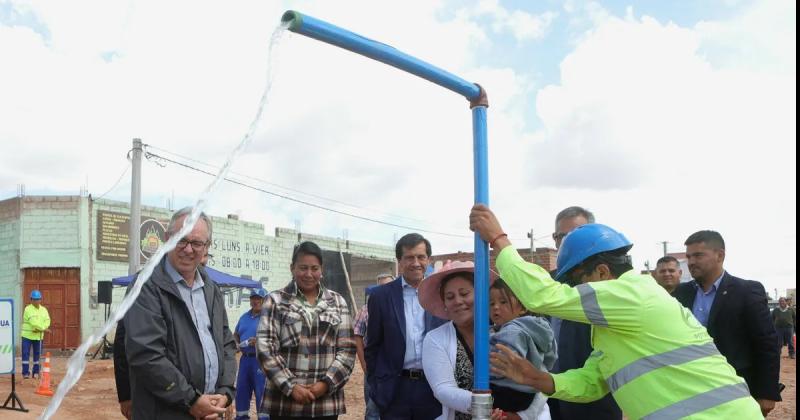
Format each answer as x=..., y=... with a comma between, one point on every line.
x=371, y=412
x=26, y=352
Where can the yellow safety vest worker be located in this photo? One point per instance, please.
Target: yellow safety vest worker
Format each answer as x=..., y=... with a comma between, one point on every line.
x=34, y=322
x=649, y=351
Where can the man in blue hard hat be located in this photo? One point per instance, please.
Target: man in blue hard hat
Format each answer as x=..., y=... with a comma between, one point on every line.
x=650, y=352
x=251, y=378
x=35, y=321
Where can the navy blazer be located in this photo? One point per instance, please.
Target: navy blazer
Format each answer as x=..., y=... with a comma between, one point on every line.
x=385, y=349
x=574, y=347
x=742, y=328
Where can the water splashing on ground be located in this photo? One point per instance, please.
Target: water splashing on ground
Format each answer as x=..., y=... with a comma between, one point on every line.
x=77, y=363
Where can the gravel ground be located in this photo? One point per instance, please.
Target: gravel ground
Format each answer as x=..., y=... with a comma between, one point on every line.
x=94, y=397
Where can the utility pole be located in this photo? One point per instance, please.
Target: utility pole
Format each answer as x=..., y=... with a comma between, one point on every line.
x=664, y=243
x=530, y=235
x=136, y=207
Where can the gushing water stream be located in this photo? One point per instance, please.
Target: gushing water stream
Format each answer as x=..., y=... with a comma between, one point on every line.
x=77, y=362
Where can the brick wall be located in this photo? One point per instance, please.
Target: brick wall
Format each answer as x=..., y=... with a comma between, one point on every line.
x=545, y=257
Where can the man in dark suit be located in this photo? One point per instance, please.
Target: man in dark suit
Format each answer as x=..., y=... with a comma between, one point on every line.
x=736, y=315
x=574, y=339
x=396, y=328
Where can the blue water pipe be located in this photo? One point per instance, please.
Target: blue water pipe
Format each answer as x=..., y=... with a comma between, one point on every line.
x=334, y=35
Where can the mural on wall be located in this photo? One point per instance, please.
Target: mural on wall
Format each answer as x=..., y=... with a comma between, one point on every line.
x=249, y=257
x=112, y=236
x=152, y=234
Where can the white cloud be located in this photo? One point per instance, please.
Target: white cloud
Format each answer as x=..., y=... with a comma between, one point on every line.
x=660, y=129
x=522, y=25
x=661, y=139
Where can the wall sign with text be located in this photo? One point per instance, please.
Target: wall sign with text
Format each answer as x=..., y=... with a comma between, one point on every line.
x=7, y=336
x=242, y=255
x=113, y=237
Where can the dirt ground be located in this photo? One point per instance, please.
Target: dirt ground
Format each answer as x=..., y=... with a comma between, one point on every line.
x=94, y=397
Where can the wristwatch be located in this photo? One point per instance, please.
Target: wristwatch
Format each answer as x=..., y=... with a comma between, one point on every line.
x=197, y=395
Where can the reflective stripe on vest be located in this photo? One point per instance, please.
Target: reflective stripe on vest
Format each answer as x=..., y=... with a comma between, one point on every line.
x=701, y=402
x=650, y=363
x=590, y=306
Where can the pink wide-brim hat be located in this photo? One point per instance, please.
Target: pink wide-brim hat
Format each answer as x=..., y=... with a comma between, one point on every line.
x=429, y=295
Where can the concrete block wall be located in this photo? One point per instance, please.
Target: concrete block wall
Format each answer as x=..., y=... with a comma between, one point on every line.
x=290, y=237
x=9, y=251
x=50, y=231
x=61, y=231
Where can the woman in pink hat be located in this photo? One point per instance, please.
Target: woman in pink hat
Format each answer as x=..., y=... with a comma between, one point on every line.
x=447, y=351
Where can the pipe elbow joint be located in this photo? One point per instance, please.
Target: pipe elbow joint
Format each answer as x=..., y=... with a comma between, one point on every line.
x=481, y=100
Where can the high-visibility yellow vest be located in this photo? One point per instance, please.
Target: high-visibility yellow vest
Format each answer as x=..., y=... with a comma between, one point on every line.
x=34, y=322
x=649, y=351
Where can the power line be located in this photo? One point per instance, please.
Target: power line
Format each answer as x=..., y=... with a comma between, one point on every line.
x=331, y=200
x=150, y=155
x=128, y=166
x=160, y=159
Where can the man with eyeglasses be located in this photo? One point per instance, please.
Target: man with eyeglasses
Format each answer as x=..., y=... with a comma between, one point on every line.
x=574, y=339
x=180, y=351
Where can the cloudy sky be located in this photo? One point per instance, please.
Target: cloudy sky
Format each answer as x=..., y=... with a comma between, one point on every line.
x=663, y=118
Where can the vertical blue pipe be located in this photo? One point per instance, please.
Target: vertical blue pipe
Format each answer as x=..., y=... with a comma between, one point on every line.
x=325, y=32
x=481, y=180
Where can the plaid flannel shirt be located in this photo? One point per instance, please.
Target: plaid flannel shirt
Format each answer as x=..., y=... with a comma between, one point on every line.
x=294, y=348
x=360, y=325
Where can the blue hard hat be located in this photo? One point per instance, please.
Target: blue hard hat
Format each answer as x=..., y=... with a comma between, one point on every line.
x=260, y=292
x=586, y=241
x=36, y=295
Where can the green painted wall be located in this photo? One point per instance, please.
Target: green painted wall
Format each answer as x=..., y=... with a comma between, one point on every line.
x=61, y=231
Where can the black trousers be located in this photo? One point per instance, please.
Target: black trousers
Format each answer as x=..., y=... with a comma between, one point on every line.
x=413, y=400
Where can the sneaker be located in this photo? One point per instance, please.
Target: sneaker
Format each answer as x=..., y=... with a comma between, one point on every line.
x=26, y=376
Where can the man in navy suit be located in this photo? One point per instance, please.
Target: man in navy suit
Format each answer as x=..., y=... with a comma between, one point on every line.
x=575, y=339
x=396, y=328
x=736, y=315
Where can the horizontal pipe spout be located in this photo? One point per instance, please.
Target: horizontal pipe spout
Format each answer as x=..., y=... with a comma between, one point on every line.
x=334, y=35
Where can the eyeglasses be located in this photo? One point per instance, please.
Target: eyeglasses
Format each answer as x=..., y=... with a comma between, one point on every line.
x=557, y=236
x=196, y=245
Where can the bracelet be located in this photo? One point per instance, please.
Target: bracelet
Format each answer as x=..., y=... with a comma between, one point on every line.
x=491, y=243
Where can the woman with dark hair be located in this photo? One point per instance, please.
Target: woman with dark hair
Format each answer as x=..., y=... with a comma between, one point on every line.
x=448, y=350
x=305, y=344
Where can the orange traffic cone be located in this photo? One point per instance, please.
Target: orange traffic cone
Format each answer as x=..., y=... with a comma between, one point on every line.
x=44, y=385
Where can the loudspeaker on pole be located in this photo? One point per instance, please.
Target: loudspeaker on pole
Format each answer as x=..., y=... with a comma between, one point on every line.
x=104, y=292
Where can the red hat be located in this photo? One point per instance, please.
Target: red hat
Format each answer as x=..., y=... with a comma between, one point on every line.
x=429, y=290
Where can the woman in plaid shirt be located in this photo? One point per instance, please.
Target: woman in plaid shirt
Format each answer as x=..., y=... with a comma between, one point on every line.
x=305, y=344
